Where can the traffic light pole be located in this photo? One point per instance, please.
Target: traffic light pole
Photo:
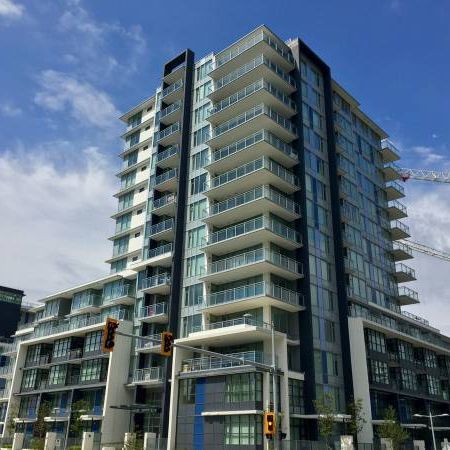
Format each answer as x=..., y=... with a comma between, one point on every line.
x=274, y=389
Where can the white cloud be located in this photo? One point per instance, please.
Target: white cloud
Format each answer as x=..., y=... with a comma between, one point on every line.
x=10, y=110
x=427, y=155
x=60, y=92
x=56, y=203
x=10, y=9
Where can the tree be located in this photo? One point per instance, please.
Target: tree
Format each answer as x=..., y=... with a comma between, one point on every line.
x=391, y=428
x=40, y=426
x=10, y=426
x=357, y=420
x=325, y=408
x=79, y=408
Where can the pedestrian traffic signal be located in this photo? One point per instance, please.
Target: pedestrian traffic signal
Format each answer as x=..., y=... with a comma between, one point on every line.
x=109, y=334
x=166, y=343
x=269, y=425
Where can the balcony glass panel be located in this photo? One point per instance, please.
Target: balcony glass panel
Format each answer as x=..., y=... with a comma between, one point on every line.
x=150, y=374
x=172, y=88
x=167, y=132
x=162, y=201
x=170, y=109
x=152, y=310
x=167, y=153
x=161, y=250
x=125, y=290
x=172, y=173
x=156, y=280
x=160, y=227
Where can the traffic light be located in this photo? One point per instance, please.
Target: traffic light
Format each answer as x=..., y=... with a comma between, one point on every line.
x=109, y=334
x=166, y=343
x=269, y=425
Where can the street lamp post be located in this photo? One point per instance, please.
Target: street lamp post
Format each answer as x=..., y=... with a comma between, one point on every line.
x=431, y=417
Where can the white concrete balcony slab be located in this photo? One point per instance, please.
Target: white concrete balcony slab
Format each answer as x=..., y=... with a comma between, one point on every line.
x=401, y=251
x=253, y=296
x=396, y=210
x=394, y=190
x=251, y=147
x=399, y=231
x=257, y=118
x=404, y=273
x=245, y=177
x=253, y=263
x=389, y=152
x=169, y=157
x=407, y=296
x=176, y=74
x=257, y=201
x=391, y=172
x=158, y=284
x=173, y=92
x=259, y=67
x=252, y=232
x=157, y=313
x=171, y=113
x=254, y=45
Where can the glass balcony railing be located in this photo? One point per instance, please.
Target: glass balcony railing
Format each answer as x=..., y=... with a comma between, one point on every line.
x=170, y=109
x=258, y=61
x=397, y=205
x=251, y=42
x=252, y=195
x=86, y=301
x=401, y=226
x=157, y=280
x=253, y=257
x=157, y=309
x=172, y=88
x=126, y=290
x=163, y=201
x=403, y=268
x=251, y=114
x=397, y=186
x=215, y=362
x=249, y=90
x=254, y=290
x=143, y=344
x=4, y=392
x=253, y=166
x=393, y=166
x=6, y=370
x=150, y=374
x=403, y=247
x=160, y=135
x=167, y=153
x=158, y=251
x=235, y=322
x=160, y=227
x=260, y=136
x=172, y=173
x=258, y=223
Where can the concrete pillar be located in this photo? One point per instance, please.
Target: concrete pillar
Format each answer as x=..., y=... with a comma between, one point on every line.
x=50, y=441
x=87, y=442
x=419, y=445
x=18, y=441
x=149, y=441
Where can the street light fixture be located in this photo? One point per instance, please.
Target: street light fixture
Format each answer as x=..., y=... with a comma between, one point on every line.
x=431, y=417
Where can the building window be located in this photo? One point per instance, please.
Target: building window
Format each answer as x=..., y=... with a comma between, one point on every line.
x=57, y=374
x=130, y=159
x=202, y=91
x=408, y=379
x=193, y=295
x=199, y=160
x=202, y=71
x=201, y=113
x=127, y=180
x=430, y=359
x=123, y=222
x=433, y=385
x=196, y=237
x=296, y=404
x=92, y=370
x=126, y=201
x=245, y=387
x=191, y=324
x=198, y=210
x=187, y=391
x=198, y=184
x=118, y=266
x=120, y=245
x=61, y=348
x=29, y=379
x=195, y=265
x=376, y=341
x=93, y=342
x=379, y=372
x=201, y=136
x=243, y=430
x=135, y=120
x=132, y=139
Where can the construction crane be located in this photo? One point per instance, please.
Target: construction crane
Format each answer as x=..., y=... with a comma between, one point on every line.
x=421, y=248
x=425, y=175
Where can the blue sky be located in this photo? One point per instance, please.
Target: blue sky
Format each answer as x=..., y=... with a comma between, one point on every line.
x=71, y=67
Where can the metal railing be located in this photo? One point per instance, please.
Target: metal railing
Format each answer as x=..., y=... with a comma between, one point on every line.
x=163, y=201
x=403, y=247
x=157, y=309
x=245, y=143
x=172, y=173
x=161, y=250
x=408, y=292
x=156, y=280
x=167, y=153
x=236, y=322
x=170, y=109
x=172, y=88
x=86, y=301
x=126, y=290
x=396, y=204
x=254, y=194
x=39, y=361
x=258, y=223
x=386, y=143
x=403, y=268
x=255, y=256
x=401, y=226
x=149, y=374
x=396, y=186
x=160, y=135
x=143, y=344
x=160, y=227
x=255, y=290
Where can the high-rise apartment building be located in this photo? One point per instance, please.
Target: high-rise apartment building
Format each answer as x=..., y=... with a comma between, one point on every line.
x=254, y=193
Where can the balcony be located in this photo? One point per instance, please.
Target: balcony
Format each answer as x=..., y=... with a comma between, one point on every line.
x=153, y=313
x=407, y=296
x=41, y=360
x=394, y=190
x=169, y=135
x=173, y=92
x=165, y=206
x=167, y=181
x=404, y=274
x=169, y=157
x=150, y=376
x=262, y=42
x=6, y=371
x=144, y=346
x=158, y=256
x=399, y=231
x=253, y=296
x=396, y=210
x=244, y=178
x=4, y=393
x=162, y=231
x=214, y=363
x=257, y=201
x=253, y=263
x=258, y=92
x=391, y=172
x=171, y=114
x=388, y=151
x=261, y=143
x=58, y=415
x=256, y=69
x=175, y=74
x=122, y=295
x=249, y=122
x=88, y=303
x=401, y=252
x=252, y=232
x=158, y=284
